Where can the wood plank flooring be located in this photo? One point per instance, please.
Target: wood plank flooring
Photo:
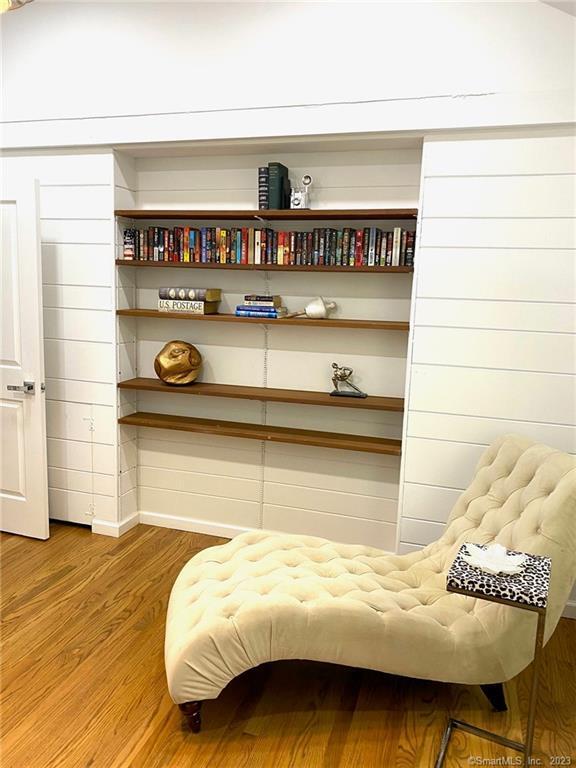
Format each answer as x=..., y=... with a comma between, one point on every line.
x=83, y=679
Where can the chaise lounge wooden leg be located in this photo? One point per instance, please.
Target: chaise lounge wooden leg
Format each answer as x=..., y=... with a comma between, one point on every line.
x=494, y=692
x=191, y=711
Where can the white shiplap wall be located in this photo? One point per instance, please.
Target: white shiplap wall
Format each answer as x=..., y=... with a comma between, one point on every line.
x=493, y=345
x=223, y=485
x=77, y=236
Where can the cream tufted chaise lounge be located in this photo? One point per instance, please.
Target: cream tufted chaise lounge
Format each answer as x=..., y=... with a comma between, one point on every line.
x=268, y=596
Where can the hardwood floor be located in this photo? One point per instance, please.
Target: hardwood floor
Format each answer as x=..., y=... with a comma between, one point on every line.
x=83, y=679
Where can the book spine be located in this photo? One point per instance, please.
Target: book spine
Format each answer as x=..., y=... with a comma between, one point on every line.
x=359, y=248
x=244, y=246
x=175, y=305
x=345, y=246
x=389, y=244
x=251, y=239
x=257, y=246
x=277, y=173
x=410, y=240
x=260, y=297
x=396, y=247
x=263, y=199
x=177, y=293
x=274, y=249
x=186, y=249
x=280, y=248
x=378, y=247
x=365, y=246
x=371, y=247
x=259, y=304
x=403, y=248
x=251, y=313
x=203, y=238
x=321, y=246
x=129, y=249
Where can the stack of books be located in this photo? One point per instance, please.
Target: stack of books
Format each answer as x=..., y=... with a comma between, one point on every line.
x=255, y=305
x=194, y=301
x=325, y=246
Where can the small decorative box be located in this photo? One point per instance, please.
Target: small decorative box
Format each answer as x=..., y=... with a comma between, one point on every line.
x=529, y=588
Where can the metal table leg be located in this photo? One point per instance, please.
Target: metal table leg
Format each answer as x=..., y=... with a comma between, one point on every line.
x=525, y=748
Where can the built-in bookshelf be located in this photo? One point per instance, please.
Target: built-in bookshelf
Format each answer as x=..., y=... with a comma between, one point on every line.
x=263, y=267
x=265, y=432
x=264, y=394
x=316, y=214
x=370, y=325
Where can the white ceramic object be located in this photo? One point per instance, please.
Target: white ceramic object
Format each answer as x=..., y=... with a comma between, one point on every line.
x=319, y=308
x=494, y=559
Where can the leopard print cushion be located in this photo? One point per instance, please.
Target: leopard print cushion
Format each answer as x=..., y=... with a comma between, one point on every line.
x=528, y=588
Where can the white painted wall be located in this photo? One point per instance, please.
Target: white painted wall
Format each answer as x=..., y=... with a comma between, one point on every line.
x=223, y=485
x=89, y=73
x=494, y=319
x=77, y=236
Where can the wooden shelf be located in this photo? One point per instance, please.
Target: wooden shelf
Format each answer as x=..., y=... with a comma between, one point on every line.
x=264, y=432
x=268, y=394
x=373, y=325
x=318, y=214
x=262, y=267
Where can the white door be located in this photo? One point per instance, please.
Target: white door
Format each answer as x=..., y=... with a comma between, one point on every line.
x=23, y=473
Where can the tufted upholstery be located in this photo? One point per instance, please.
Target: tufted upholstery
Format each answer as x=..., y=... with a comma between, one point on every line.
x=266, y=596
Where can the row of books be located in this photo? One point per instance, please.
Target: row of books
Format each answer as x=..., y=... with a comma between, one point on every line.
x=323, y=246
x=273, y=186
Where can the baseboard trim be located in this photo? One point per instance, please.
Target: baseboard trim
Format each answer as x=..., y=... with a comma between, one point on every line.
x=194, y=526
x=106, y=528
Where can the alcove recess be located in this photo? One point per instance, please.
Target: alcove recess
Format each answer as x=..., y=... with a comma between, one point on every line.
x=258, y=442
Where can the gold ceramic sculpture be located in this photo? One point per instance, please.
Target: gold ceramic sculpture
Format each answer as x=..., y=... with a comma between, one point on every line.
x=178, y=363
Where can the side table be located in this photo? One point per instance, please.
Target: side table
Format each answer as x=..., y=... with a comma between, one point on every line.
x=527, y=590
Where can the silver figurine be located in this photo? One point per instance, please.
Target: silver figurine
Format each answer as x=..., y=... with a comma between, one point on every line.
x=300, y=196
x=341, y=376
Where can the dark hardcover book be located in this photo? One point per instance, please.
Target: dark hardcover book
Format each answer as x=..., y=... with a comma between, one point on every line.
x=378, y=247
x=298, y=248
x=389, y=247
x=381, y=255
x=176, y=293
x=263, y=190
x=209, y=254
x=332, y=246
x=339, y=241
x=274, y=249
x=129, y=244
x=170, y=246
x=316, y=246
x=277, y=173
x=345, y=246
x=309, y=260
x=150, y=243
x=141, y=244
x=160, y=244
x=321, y=246
x=410, y=239
x=286, y=192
